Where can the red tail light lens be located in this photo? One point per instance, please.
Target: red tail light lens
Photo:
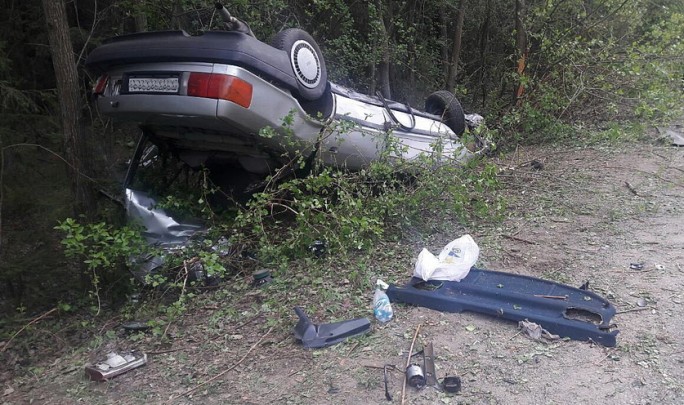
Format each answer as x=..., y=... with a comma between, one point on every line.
x=100, y=85
x=218, y=86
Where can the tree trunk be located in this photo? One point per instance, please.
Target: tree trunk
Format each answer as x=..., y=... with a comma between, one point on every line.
x=444, y=36
x=383, y=68
x=412, y=49
x=140, y=17
x=484, y=43
x=456, y=49
x=75, y=146
x=521, y=47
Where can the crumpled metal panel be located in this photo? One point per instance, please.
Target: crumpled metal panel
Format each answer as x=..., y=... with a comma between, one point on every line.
x=160, y=230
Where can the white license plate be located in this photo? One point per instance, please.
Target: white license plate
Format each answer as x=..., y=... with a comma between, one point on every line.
x=153, y=85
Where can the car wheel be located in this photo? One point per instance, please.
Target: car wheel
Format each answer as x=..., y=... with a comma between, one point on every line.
x=447, y=106
x=306, y=61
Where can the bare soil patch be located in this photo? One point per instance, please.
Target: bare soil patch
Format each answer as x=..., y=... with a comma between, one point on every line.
x=585, y=216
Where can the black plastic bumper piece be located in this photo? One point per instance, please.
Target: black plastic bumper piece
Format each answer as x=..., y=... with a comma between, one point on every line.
x=560, y=309
x=315, y=336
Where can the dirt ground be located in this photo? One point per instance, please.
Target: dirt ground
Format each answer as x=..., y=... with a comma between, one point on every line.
x=586, y=215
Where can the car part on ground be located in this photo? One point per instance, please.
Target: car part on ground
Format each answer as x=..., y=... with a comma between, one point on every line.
x=451, y=384
x=388, y=396
x=415, y=376
x=115, y=364
x=315, y=336
x=429, y=365
x=560, y=309
x=261, y=277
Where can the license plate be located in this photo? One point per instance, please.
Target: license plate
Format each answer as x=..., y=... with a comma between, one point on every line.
x=153, y=84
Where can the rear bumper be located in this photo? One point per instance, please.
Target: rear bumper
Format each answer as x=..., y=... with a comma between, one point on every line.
x=198, y=123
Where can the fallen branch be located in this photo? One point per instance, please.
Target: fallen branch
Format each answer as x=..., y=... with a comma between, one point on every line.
x=389, y=366
x=408, y=362
x=518, y=239
x=250, y=320
x=647, y=173
x=632, y=189
x=26, y=326
x=610, y=353
x=165, y=351
x=354, y=346
x=196, y=387
x=633, y=310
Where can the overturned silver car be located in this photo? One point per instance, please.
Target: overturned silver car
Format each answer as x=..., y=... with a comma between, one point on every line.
x=224, y=98
x=210, y=96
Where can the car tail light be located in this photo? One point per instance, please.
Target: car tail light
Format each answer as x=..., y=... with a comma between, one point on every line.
x=219, y=86
x=100, y=85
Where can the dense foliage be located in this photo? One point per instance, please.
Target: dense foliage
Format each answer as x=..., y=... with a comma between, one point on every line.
x=570, y=64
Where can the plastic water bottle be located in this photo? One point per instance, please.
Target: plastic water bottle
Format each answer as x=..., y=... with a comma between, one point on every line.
x=381, y=303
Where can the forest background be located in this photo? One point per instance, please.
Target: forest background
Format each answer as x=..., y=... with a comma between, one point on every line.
x=538, y=70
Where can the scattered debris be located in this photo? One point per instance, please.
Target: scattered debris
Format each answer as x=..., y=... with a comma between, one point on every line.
x=675, y=133
x=261, y=277
x=316, y=336
x=415, y=376
x=535, y=331
x=536, y=165
x=318, y=248
x=659, y=267
x=116, y=364
x=452, y=384
x=585, y=286
x=408, y=363
x=584, y=315
x=388, y=396
x=429, y=365
x=636, y=266
x=641, y=302
x=135, y=326
x=382, y=308
x=453, y=262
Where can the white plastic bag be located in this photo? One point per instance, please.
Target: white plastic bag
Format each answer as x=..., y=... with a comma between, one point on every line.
x=452, y=264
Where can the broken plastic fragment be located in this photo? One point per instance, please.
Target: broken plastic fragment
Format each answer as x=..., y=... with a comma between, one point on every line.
x=535, y=331
x=316, y=336
x=114, y=365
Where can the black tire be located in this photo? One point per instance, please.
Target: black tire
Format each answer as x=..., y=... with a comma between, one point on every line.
x=306, y=60
x=447, y=106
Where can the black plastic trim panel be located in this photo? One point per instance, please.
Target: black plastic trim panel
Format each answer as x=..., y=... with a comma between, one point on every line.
x=560, y=309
